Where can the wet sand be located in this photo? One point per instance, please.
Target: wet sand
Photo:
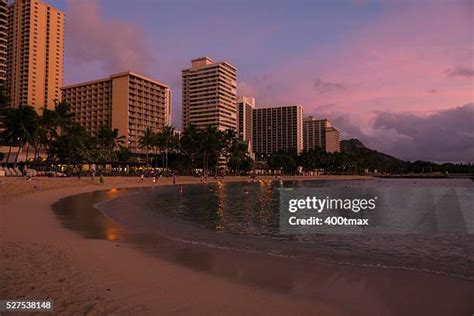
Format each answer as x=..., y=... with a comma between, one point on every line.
x=39, y=258
x=103, y=273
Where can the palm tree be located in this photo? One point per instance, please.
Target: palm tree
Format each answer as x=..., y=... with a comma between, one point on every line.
x=146, y=141
x=211, y=145
x=19, y=126
x=238, y=158
x=158, y=145
x=229, y=137
x=53, y=122
x=168, y=140
x=63, y=115
x=74, y=145
x=189, y=143
x=109, y=138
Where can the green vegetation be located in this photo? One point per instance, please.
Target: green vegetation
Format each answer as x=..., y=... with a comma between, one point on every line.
x=55, y=134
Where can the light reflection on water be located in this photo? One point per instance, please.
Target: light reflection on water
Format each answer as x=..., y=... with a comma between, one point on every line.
x=214, y=214
x=209, y=228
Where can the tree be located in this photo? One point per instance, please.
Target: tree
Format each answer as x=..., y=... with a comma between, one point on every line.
x=189, y=145
x=19, y=126
x=167, y=141
x=52, y=123
x=211, y=145
x=147, y=140
x=63, y=115
x=108, y=140
x=312, y=159
x=238, y=157
x=123, y=154
x=283, y=160
x=73, y=146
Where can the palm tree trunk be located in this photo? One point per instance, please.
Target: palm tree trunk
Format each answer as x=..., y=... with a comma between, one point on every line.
x=146, y=156
x=17, y=154
x=27, y=151
x=34, y=155
x=9, y=152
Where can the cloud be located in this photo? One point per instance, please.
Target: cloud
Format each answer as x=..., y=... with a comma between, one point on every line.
x=245, y=89
x=446, y=135
x=323, y=86
x=104, y=42
x=443, y=135
x=461, y=72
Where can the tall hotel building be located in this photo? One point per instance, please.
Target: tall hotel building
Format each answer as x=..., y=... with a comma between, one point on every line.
x=210, y=94
x=127, y=101
x=320, y=133
x=3, y=40
x=245, y=106
x=277, y=128
x=35, y=54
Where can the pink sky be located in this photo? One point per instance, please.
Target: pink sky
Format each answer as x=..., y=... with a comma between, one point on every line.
x=352, y=62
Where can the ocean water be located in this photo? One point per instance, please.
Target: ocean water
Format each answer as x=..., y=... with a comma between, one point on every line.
x=244, y=217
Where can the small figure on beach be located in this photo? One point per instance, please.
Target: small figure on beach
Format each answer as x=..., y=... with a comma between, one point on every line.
x=174, y=179
x=142, y=177
x=102, y=180
x=154, y=180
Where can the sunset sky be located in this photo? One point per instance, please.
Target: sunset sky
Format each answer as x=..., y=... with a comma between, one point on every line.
x=399, y=75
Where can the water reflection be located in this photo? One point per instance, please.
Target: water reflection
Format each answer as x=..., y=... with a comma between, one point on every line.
x=78, y=213
x=270, y=265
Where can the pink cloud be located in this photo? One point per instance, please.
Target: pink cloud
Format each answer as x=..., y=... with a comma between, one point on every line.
x=95, y=41
x=391, y=64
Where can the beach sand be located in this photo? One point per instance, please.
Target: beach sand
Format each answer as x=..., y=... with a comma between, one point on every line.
x=41, y=259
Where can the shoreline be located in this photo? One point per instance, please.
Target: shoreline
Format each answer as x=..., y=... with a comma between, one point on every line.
x=85, y=276
x=94, y=276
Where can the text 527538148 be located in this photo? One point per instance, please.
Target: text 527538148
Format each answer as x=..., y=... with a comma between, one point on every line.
x=26, y=305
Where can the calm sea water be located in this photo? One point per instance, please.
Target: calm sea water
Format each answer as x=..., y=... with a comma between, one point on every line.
x=245, y=217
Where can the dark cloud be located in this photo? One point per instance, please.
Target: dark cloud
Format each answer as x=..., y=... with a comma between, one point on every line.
x=323, y=86
x=447, y=135
x=94, y=39
x=460, y=72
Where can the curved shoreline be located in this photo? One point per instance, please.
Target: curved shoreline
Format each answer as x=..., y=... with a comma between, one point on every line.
x=94, y=276
x=241, y=243
x=40, y=258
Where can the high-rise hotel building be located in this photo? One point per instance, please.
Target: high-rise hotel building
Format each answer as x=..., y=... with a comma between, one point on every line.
x=245, y=106
x=277, y=128
x=35, y=54
x=3, y=40
x=320, y=133
x=210, y=94
x=127, y=101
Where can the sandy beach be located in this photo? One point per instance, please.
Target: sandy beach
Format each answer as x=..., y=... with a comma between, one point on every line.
x=41, y=259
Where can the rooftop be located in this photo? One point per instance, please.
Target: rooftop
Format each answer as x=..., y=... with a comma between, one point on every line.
x=117, y=75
